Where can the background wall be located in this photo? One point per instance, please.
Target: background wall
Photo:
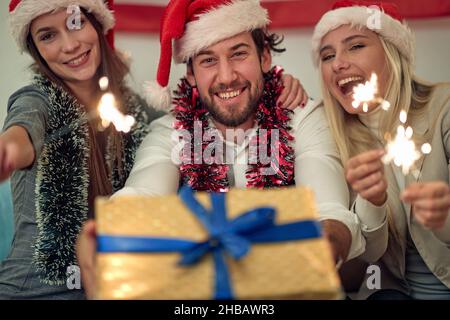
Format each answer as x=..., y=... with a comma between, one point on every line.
x=433, y=53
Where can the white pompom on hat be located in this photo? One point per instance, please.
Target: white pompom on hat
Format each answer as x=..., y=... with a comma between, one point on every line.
x=390, y=24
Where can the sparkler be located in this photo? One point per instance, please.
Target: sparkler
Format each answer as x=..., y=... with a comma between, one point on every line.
x=366, y=93
x=401, y=150
x=108, y=110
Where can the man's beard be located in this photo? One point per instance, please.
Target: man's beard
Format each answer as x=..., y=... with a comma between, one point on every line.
x=232, y=117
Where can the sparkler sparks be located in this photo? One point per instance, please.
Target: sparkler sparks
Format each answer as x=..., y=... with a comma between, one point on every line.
x=109, y=113
x=402, y=149
x=426, y=148
x=366, y=93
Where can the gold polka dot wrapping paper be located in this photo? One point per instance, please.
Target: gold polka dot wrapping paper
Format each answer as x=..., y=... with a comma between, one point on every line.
x=295, y=269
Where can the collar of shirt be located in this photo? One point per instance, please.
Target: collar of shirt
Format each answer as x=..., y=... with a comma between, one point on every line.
x=372, y=120
x=243, y=140
x=236, y=153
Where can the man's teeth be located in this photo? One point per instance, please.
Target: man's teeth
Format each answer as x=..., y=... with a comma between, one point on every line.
x=229, y=94
x=77, y=61
x=347, y=80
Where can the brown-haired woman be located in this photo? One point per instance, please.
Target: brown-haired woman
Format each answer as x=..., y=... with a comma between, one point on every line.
x=51, y=147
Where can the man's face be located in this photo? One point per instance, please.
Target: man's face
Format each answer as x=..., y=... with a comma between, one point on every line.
x=229, y=78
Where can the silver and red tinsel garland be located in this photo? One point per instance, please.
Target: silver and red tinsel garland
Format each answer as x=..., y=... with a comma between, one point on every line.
x=212, y=176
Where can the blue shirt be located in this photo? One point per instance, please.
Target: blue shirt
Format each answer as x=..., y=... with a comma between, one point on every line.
x=6, y=219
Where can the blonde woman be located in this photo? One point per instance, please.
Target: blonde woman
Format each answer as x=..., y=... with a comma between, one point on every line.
x=404, y=219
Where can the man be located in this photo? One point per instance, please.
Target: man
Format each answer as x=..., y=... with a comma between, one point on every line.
x=231, y=86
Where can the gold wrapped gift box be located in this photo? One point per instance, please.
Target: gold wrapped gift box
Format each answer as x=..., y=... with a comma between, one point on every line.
x=302, y=269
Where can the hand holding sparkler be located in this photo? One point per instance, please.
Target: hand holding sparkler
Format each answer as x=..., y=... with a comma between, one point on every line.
x=430, y=202
x=109, y=112
x=365, y=174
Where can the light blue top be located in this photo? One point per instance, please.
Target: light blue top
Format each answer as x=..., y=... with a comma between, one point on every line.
x=423, y=283
x=6, y=219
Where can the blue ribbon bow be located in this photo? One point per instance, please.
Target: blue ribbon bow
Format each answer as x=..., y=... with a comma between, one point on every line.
x=233, y=237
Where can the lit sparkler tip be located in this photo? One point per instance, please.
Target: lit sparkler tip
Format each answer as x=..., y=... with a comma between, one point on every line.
x=363, y=94
x=128, y=122
x=105, y=123
x=103, y=83
x=385, y=105
x=403, y=116
x=108, y=99
x=110, y=114
x=409, y=132
x=426, y=148
x=402, y=150
x=365, y=107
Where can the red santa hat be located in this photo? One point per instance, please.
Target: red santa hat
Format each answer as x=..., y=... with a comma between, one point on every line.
x=23, y=12
x=387, y=23
x=193, y=25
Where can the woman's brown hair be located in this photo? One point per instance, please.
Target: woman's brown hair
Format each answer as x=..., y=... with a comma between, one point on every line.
x=113, y=67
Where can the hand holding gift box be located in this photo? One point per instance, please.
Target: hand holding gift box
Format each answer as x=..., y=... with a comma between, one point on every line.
x=245, y=244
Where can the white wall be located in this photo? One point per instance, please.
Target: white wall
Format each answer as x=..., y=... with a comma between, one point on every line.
x=433, y=52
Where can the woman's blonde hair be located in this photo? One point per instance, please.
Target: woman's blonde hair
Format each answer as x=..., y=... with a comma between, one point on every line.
x=404, y=92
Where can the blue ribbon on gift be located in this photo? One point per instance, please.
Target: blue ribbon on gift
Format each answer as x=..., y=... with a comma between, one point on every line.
x=233, y=237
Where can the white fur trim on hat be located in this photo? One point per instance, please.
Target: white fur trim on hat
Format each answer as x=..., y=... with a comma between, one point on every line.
x=218, y=24
x=28, y=10
x=389, y=28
